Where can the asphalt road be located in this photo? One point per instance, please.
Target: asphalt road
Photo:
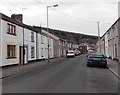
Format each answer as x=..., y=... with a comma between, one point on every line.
x=69, y=75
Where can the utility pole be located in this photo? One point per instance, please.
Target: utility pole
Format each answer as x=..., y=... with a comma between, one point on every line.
x=48, y=29
x=99, y=38
x=48, y=32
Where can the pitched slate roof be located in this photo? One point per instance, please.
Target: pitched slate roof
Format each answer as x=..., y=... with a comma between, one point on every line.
x=6, y=18
x=50, y=35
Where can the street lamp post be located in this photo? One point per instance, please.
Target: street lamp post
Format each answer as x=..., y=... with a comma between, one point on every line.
x=48, y=28
x=99, y=38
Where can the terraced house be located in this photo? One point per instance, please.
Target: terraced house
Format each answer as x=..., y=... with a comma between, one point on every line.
x=110, y=41
x=11, y=41
x=21, y=43
x=119, y=30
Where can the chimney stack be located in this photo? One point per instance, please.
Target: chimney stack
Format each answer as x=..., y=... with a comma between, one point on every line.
x=17, y=17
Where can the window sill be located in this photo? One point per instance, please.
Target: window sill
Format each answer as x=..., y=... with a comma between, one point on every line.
x=11, y=57
x=11, y=34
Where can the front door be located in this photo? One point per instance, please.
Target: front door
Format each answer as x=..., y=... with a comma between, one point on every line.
x=20, y=55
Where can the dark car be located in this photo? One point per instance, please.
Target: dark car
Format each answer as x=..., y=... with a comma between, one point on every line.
x=95, y=59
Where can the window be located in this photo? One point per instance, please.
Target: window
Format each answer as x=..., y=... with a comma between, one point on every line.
x=116, y=50
x=32, y=52
x=50, y=52
x=116, y=31
x=32, y=36
x=60, y=42
x=49, y=41
x=41, y=39
x=11, y=51
x=11, y=29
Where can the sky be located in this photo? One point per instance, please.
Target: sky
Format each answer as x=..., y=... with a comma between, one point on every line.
x=79, y=16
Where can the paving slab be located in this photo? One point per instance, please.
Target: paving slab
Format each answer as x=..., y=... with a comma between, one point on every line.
x=114, y=66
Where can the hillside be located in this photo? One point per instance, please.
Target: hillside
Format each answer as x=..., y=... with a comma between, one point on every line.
x=75, y=37
x=72, y=37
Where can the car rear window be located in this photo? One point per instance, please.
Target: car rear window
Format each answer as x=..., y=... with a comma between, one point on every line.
x=96, y=55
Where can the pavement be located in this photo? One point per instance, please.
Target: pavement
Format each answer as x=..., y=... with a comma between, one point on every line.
x=113, y=66
x=14, y=69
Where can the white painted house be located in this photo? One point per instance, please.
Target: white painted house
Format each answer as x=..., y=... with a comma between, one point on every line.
x=43, y=40
x=20, y=43
x=11, y=41
x=30, y=43
x=42, y=46
x=49, y=37
x=36, y=44
x=0, y=39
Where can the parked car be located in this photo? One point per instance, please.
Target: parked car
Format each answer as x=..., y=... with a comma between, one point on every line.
x=95, y=59
x=70, y=53
x=89, y=52
x=77, y=52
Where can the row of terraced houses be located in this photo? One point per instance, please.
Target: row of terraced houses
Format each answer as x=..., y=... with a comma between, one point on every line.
x=21, y=43
x=109, y=44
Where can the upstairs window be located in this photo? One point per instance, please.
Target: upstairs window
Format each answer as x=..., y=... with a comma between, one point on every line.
x=42, y=40
x=11, y=29
x=32, y=36
x=50, y=41
x=11, y=51
x=116, y=30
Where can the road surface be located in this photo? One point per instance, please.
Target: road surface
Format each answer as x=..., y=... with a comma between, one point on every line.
x=68, y=75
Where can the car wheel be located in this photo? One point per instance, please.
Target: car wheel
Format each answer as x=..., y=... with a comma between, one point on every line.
x=88, y=65
x=105, y=66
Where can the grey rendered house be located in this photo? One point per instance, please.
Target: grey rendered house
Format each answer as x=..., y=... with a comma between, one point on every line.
x=110, y=41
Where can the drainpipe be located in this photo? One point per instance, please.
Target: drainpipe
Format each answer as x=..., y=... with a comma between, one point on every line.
x=23, y=47
x=36, y=47
x=104, y=46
